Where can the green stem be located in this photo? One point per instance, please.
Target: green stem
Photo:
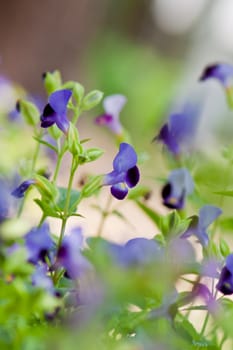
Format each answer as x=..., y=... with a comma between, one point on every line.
x=36, y=154
x=105, y=213
x=74, y=166
x=76, y=115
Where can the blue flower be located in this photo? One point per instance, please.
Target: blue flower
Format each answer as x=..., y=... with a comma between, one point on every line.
x=55, y=111
x=22, y=188
x=178, y=133
x=225, y=283
x=139, y=251
x=125, y=172
x=112, y=106
x=41, y=279
x=38, y=243
x=223, y=72
x=70, y=256
x=199, y=224
x=178, y=186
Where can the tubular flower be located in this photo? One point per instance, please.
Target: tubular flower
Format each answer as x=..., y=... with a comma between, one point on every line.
x=55, y=112
x=178, y=133
x=125, y=172
x=38, y=243
x=199, y=224
x=225, y=283
x=223, y=72
x=112, y=106
x=70, y=256
x=22, y=188
x=178, y=186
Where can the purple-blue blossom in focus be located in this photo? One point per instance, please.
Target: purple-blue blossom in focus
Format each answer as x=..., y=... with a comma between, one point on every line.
x=70, y=256
x=178, y=186
x=179, y=132
x=223, y=72
x=225, y=283
x=55, y=112
x=199, y=224
x=38, y=243
x=125, y=172
x=22, y=188
x=112, y=107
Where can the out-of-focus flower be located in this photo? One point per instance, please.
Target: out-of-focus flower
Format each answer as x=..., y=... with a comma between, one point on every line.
x=202, y=291
x=178, y=186
x=56, y=109
x=199, y=224
x=137, y=251
x=41, y=279
x=125, y=172
x=70, y=256
x=179, y=132
x=4, y=201
x=223, y=72
x=225, y=283
x=112, y=106
x=22, y=188
x=38, y=243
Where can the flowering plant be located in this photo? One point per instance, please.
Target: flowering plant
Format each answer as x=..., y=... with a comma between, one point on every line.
x=61, y=285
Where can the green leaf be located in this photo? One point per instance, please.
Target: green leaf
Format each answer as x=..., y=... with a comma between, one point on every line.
x=91, y=100
x=77, y=90
x=74, y=145
x=224, y=248
x=45, y=143
x=155, y=217
x=74, y=200
x=138, y=192
x=52, y=81
x=224, y=193
x=93, y=154
x=92, y=185
x=47, y=208
x=46, y=188
x=29, y=112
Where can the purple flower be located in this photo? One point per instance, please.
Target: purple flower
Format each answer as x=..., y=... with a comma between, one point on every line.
x=41, y=279
x=55, y=111
x=202, y=291
x=70, y=256
x=199, y=224
x=137, y=251
x=225, y=283
x=125, y=172
x=112, y=106
x=38, y=243
x=223, y=72
x=5, y=200
x=178, y=133
x=178, y=186
x=22, y=188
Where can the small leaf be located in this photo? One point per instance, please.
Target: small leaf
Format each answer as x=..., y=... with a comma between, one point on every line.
x=92, y=186
x=74, y=199
x=52, y=81
x=155, y=217
x=77, y=90
x=224, y=193
x=91, y=100
x=45, y=143
x=29, y=111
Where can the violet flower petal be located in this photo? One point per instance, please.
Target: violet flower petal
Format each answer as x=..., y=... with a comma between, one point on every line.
x=119, y=191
